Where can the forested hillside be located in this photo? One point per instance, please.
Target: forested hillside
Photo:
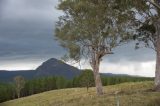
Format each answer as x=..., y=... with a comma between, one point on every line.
x=38, y=85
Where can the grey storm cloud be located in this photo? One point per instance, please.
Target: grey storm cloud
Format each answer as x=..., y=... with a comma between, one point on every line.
x=127, y=52
x=27, y=29
x=30, y=10
x=2, y=3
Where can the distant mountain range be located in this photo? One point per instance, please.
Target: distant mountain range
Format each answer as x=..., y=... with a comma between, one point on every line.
x=51, y=67
x=6, y=76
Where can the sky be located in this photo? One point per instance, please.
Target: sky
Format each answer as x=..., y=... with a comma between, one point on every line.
x=27, y=39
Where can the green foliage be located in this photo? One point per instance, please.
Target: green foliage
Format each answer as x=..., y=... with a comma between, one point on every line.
x=40, y=85
x=86, y=78
x=76, y=82
x=112, y=80
x=91, y=26
x=60, y=82
x=7, y=92
x=146, y=21
x=147, y=27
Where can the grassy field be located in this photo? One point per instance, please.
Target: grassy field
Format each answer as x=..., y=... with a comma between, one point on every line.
x=129, y=94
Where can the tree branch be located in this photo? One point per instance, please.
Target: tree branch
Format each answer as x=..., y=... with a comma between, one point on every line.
x=154, y=4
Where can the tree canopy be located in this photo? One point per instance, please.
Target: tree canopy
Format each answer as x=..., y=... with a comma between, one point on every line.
x=91, y=25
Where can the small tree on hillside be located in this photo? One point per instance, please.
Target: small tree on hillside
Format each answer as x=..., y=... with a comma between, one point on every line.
x=91, y=29
x=87, y=78
x=19, y=84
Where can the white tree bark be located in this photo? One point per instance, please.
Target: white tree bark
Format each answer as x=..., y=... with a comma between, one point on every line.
x=157, y=73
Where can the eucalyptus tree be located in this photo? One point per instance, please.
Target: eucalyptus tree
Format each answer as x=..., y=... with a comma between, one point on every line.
x=148, y=28
x=91, y=29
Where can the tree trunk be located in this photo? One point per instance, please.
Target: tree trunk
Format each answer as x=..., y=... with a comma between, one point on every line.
x=18, y=95
x=157, y=73
x=97, y=78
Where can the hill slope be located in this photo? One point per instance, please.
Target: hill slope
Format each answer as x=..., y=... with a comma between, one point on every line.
x=130, y=94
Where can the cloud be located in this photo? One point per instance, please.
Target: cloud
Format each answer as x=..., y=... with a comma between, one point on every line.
x=132, y=68
x=27, y=9
x=2, y=3
x=146, y=68
x=28, y=64
x=127, y=52
x=27, y=29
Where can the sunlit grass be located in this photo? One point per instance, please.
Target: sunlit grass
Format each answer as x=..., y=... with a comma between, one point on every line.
x=129, y=94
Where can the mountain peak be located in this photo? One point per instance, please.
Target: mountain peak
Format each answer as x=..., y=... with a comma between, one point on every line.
x=50, y=63
x=52, y=60
x=56, y=67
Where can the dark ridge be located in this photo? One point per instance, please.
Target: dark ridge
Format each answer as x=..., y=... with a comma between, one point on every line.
x=51, y=67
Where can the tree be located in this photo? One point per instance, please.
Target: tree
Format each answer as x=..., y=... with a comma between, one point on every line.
x=91, y=29
x=76, y=82
x=148, y=28
x=60, y=82
x=87, y=78
x=19, y=84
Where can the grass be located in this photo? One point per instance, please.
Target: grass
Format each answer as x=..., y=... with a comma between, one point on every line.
x=130, y=94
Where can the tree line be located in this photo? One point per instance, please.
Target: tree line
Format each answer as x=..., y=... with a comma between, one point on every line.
x=22, y=88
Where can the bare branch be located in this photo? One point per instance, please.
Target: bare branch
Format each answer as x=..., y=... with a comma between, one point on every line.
x=154, y=4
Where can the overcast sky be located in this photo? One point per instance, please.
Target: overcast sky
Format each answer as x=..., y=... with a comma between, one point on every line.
x=27, y=40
